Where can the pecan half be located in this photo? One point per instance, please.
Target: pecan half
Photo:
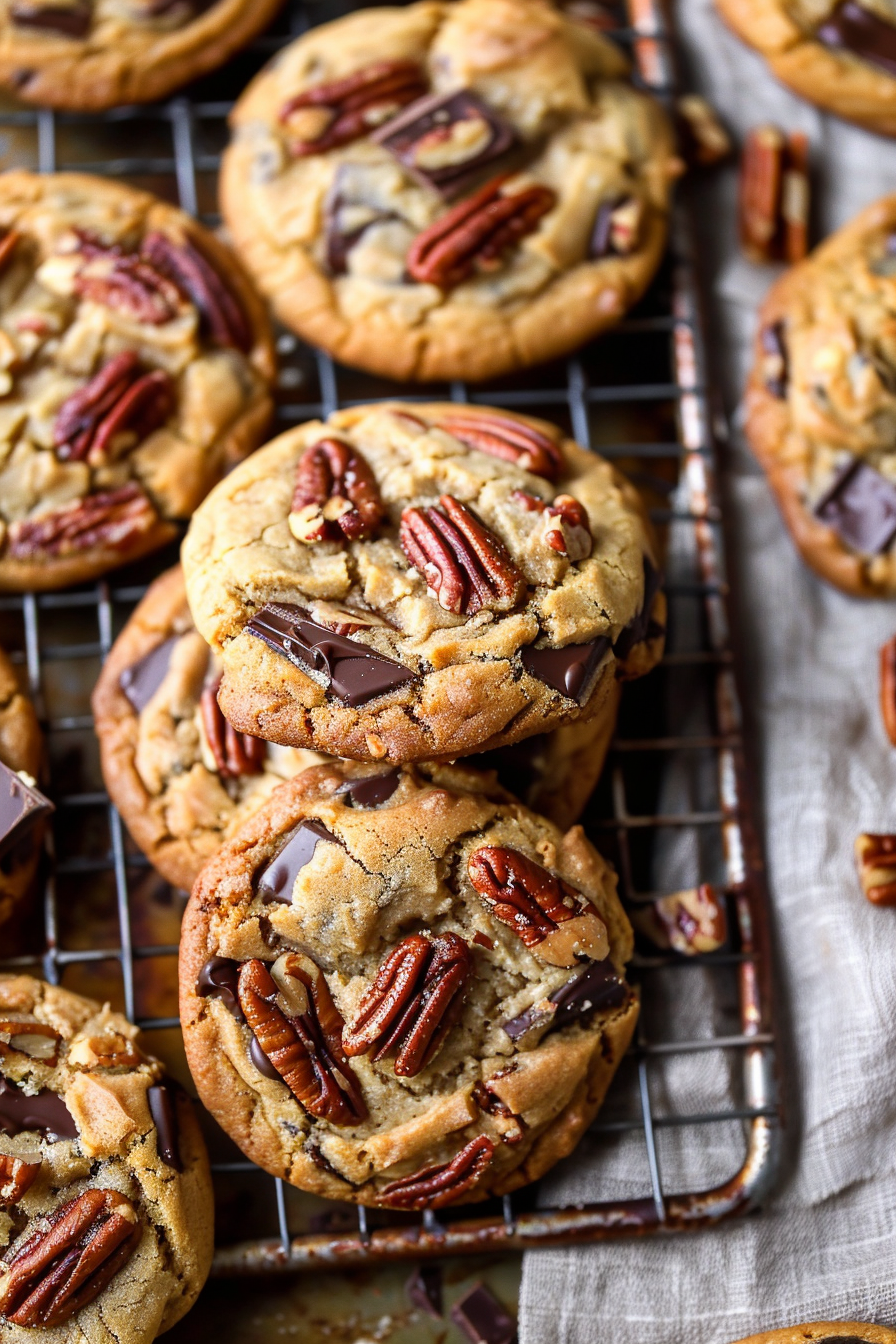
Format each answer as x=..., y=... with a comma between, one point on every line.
x=690, y=922
x=572, y=534
x=235, y=753
x=434, y=1187
x=876, y=859
x=119, y=400
x=465, y=565
x=16, y=1176
x=68, y=1262
x=774, y=195
x=554, y=921
x=512, y=441
x=476, y=233
x=343, y=110
x=110, y=518
x=336, y=497
x=194, y=276
x=888, y=688
x=35, y=1040
x=303, y=1037
x=124, y=281
x=414, y=1001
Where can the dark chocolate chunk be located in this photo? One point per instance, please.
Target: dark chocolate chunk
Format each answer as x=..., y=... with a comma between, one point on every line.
x=774, y=359
x=163, y=1109
x=861, y=508
x=853, y=28
x=261, y=1061
x=277, y=880
x=141, y=681
x=424, y=1290
x=355, y=674
x=601, y=244
x=638, y=628
x=46, y=1112
x=20, y=807
x=418, y=131
x=219, y=979
x=348, y=201
x=597, y=986
x=570, y=670
x=482, y=1318
x=69, y=20
x=372, y=791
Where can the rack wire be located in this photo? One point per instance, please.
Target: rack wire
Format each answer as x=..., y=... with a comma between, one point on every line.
x=639, y=395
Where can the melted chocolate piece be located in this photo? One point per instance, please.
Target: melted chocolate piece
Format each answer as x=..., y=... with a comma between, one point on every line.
x=861, y=508
x=20, y=807
x=601, y=244
x=163, y=1109
x=570, y=670
x=219, y=979
x=345, y=197
x=277, y=880
x=355, y=674
x=69, y=20
x=261, y=1061
x=482, y=1318
x=853, y=28
x=46, y=1112
x=596, y=987
x=639, y=627
x=432, y=118
x=771, y=339
x=141, y=681
x=372, y=791
x=424, y=1290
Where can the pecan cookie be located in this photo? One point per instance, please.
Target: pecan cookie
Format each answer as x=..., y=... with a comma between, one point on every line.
x=826, y=1332
x=91, y=54
x=22, y=808
x=105, y=1190
x=839, y=54
x=417, y=582
x=135, y=363
x=821, y=403
x=402, y=988
x=449, y=190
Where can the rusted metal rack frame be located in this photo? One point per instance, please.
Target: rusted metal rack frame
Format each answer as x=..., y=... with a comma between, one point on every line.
x=696, y=504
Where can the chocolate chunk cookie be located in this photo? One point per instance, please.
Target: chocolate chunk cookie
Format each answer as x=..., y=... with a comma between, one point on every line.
x=400, y=987
x=91, y=54
x=821, y=403
x=449, y=190
x=839, y=54
x=135, y=363
x=23, y=810
x=105, y=1191
x=826, y=1332
x=417, y=582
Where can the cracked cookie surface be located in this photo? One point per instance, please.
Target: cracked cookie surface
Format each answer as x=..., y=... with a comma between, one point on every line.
x=821, y=402
x=400, y=987
x=135, y=363
x=92, y=54
x=839, y=54
x=483, y=603
x=449, y=191
x=21, y=748
x=97, y=1150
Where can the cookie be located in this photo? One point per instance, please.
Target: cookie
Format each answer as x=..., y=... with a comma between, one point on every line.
x=419, y=582
x=402, y=988
x=22, y=809
x=181, y=778
x=85, y=55
x=838, y=54
x=98, y=1151
x=826, y=1332
x=135, y=363
x=821, y=403
x=449, y=190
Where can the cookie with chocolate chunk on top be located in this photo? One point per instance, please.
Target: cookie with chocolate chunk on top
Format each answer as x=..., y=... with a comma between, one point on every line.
x=826, y=1332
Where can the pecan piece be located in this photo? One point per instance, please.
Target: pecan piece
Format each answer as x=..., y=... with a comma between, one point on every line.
x=35, y=1040
x=571, y=536
x=415, y=999
x=336, y=497
x=16, y=1176
x=690, y=922
x=109, y=1051
x=554, y=921
x=774, y=195
x=343, y=110
x=68, y=1262
x=465, y=566
x=302, y=1038
x=110, y=518
x=125, y=282
x=434, y=1187
x=876, y=859
x=476, y=233
x=888, y=688
x=119, y=400
x=235, y=753
x=196, y=279
x=511, y=440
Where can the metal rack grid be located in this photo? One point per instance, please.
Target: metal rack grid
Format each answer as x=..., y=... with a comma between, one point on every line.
x=659, y=427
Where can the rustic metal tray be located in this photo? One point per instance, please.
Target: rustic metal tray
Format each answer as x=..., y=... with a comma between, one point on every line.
x=109, y=925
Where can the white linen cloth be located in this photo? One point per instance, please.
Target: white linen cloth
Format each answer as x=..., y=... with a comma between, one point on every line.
x=825, y=1245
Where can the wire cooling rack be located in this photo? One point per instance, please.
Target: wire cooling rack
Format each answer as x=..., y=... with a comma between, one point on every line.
x=674, y=786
